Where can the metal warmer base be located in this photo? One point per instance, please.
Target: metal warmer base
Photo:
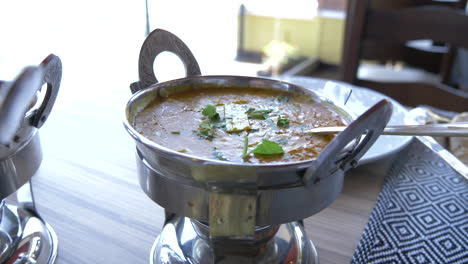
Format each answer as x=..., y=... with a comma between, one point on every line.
x=183, y=240
x=25, y=238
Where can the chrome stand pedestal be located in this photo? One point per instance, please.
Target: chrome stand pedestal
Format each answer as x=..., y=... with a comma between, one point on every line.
x=183, y=240
x=24, y=237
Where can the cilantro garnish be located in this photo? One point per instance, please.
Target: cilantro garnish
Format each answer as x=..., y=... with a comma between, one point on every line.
x=175, y=132
x=246, y=146
x=210, y=112
x=205, y=130
x=267, y=147
x=257, y=114
x=250, y=110
x=282, y=122
x=206, y=134
x=204, y=125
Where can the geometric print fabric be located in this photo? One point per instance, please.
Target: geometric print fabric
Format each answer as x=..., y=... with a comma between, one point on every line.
x=421, y=215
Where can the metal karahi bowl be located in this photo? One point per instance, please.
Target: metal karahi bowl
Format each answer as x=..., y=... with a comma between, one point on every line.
x=23, y=112
x=235, y=198
x=144, y=97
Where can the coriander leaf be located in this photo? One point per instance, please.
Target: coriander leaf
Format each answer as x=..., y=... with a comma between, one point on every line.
x=205, y=130
x=250, y=110
x=257, y=114
x=268, y=147
x=282, y=122
x=206, y=134
x=205, y=125
x=210, y=112
x=246, y=146
x=175, y=132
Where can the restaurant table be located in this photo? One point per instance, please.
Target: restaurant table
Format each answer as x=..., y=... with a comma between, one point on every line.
x=87, y=188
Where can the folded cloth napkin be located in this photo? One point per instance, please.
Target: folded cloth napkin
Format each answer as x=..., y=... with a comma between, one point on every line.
x=421, y=215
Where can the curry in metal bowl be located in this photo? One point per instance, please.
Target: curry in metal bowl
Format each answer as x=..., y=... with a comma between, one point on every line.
x=238, y=125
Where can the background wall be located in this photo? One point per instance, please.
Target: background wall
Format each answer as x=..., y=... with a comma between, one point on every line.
x=320, y=37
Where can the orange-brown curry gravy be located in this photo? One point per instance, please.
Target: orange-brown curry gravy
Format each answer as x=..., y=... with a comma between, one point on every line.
x=178, y=123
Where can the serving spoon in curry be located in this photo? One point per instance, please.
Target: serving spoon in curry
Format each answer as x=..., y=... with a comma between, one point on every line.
x=434, y=130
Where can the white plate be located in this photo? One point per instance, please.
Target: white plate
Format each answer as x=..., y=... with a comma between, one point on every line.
x=360, y=100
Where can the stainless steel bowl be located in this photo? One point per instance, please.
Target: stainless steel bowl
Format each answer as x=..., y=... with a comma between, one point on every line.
x=22, y=113
x=236, y=198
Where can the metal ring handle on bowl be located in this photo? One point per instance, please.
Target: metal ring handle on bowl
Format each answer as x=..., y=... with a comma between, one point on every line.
x=370, y=124
x=15, y=99
x=157, y=42
x=20, y=150
x=52, y=66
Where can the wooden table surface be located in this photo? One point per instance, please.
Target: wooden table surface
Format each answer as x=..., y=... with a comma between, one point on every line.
x=87, y=188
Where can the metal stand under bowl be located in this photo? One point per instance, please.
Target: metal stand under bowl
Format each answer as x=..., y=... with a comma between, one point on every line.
x=183, y=240
x=24, y=237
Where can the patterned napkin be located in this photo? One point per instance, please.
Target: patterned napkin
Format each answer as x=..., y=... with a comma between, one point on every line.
x=421, y=215
x=459, y=145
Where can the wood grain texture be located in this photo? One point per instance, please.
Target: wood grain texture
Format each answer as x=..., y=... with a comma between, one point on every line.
x=87, y=189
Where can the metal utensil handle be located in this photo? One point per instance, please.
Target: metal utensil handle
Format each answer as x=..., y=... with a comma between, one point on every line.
x=52, y=66
x=16, y=100
x=370, y=124
x=157, y=42
x=434, y=130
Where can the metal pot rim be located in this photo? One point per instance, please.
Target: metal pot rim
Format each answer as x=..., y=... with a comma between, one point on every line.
x=345, y=112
